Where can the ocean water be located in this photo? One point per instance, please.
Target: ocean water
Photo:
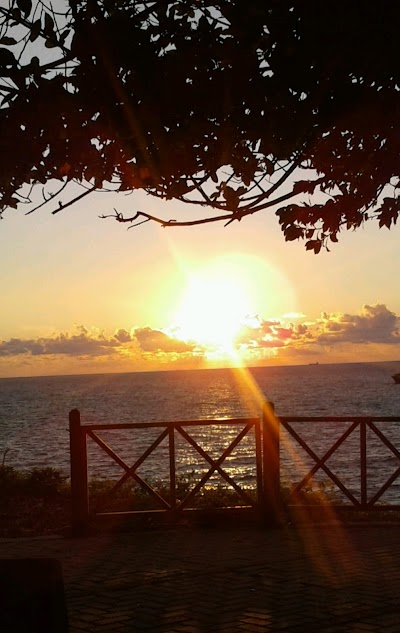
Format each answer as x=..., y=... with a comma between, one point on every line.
x=34, y=418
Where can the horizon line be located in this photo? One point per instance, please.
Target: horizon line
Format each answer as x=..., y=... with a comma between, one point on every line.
x=200, y=369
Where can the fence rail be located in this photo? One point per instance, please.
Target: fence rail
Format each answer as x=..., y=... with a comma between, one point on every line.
x=267, y=480
x=268, y=450
x=356, y=424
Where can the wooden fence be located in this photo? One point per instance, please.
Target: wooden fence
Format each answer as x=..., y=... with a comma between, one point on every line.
x=355, y=426
x=267, y=432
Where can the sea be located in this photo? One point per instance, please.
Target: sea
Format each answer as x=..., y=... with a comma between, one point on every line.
x=34, y=412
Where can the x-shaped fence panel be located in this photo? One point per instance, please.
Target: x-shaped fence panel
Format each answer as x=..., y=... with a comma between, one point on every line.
x=269, y=448
x=356, y=424
x=168, y=431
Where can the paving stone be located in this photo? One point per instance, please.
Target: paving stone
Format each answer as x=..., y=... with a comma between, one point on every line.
x=228, y=580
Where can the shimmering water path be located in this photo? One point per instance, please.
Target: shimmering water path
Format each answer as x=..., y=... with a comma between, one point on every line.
x=34, y=414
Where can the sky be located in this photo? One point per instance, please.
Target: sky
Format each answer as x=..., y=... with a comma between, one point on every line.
x=80, y=294
x=83, y=295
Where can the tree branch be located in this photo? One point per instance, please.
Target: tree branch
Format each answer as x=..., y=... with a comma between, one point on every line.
x=228, y=217
x=278, y=183
x=28, y=25
x=68, y=204
x=45, y=201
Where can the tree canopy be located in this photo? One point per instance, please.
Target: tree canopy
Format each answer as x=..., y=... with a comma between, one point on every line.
x=236, y=108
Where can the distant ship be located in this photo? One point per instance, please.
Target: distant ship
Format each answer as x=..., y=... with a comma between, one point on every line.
x=396, y=378
x=318, y=364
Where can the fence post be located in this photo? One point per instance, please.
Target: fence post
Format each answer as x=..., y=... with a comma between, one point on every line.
x=271, y=495
x=79, y=475
x=172, y=470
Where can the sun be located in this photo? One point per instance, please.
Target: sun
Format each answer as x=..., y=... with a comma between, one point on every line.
x=223, y=296
x=212, y=309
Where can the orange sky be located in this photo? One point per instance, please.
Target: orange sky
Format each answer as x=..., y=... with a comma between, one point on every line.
x=82, y=295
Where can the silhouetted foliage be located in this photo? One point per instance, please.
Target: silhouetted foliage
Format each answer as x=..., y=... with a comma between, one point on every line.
x=238, y=107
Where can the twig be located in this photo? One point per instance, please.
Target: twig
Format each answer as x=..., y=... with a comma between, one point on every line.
x=229, y=217
x=68, y=204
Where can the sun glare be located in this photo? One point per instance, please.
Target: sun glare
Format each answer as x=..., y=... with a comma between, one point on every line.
x=224, y=295
x=212, y=310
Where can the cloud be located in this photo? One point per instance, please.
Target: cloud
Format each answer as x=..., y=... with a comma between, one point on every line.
x=155, y=341
x=126, y=349
x=89, y=343
x=270, y=333
x=268, y=343
x=294, y=315
x=374, y=324
x=83, y=344
x=122, y=336
x=374, y=331
x=16, y=346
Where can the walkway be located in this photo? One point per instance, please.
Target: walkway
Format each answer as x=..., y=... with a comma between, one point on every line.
x=214, y=580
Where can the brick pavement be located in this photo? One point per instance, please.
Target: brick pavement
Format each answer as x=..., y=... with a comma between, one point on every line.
x=220, y=580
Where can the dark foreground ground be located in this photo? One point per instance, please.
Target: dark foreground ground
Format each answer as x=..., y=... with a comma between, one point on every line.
x=209, y=580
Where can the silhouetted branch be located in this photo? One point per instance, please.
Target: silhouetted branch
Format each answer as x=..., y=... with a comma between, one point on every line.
x=121, y=100
x=29, y=25
x=63, y=206
x=50, y=199
x=229, y=217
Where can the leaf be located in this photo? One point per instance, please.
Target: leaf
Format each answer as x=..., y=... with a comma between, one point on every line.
x=173, y=9
x=144, y=173
x=90, y=172
x=389, y=212
x=16, y=14
x=306, y=186
x=8, y=41
x=240, y=191
x=269, y=166
x=203, y=23
x=293, y=233
x=289, y=214
x=64, y=35
x=51, y=44
x=214, y=177
x=7, y=59
x=8, y=97
x=25, y=6
x=35, y=30
x=13, y=203
x=65, y=169
x=314, y=245
x=48, y=24
x=230, y=196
